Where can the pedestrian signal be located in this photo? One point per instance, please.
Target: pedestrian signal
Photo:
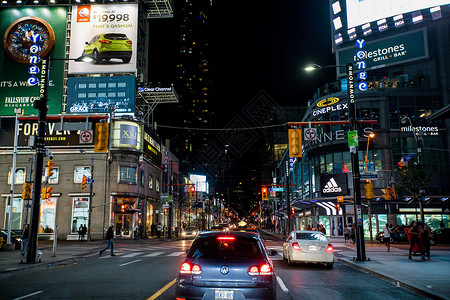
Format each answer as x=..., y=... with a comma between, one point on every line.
x=264, y=193
x=101, y=137
x=192, y=192
x=26, y=191
x=50, y=168
x=83, y=182
x=295, y=142
x=368, y=190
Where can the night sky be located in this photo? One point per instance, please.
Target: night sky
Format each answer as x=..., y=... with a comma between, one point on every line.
x=257, y=45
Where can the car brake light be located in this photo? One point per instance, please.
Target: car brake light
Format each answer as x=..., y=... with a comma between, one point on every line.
x=296, y=246
x=253, y=271
x=226, y=238
x=264, y=269
x=329, y=248
x=104, y=42
x=187, y=268
x=129, y=42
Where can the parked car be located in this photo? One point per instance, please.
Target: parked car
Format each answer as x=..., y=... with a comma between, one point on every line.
x=15, y=238
x=109, y=45
x=227, y=265
x=397, y=234
x=440, y=236
x=216, y=228
x=308, y=247
x=190, y=232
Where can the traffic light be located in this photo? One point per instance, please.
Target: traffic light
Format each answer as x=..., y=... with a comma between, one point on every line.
x=192, y=192
x=402, y=167
x=387, y=194
x=295, y=142
x=46, y=192
x=337, y=206
x=83, y=182
x=165, y=211
x=26, y=191
x=101, y=137
x=264, y=193
x=368, y=190
x=293, y=210
x=50, y=168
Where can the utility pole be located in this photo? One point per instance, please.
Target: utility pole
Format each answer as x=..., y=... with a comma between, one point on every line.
x=288, y=199
x=91, y=193
x=170, y=199
x=41, y=105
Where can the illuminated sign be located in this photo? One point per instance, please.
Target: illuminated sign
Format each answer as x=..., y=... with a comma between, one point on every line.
x=152, y=147
x=327, y=102
x=419, y=130
x=200, y=182
x=127, y=134
x=333, y=185
x=328, y=109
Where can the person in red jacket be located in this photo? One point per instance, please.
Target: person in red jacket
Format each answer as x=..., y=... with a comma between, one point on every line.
x=415, y=233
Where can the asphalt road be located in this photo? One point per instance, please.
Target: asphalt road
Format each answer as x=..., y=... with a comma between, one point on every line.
x=148, y=271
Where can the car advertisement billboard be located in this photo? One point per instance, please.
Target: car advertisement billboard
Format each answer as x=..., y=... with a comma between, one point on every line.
x=108, y=35
x=16, y=27
x=100, y=94
x=364, y=11
x=390, y=51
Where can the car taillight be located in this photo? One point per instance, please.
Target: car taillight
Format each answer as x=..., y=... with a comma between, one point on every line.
x=264, y=269
x=129, y=42
x=296, y=246
x=104, y=42
x=226, y=238
x=329, y=248
x=187, y=268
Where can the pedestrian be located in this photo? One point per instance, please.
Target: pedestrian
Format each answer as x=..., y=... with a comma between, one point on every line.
x=109, y=240
x=152, y=229
x=346, y=235
x=158, y=230
x=80, y=232
x=309, y=227
x=441, y=224
x=322, y=229
x=141, y=231
x=387, y=236
x=136, y=232
x=83, y=231
x=426, y=234
x=25, y=240
x=353, y=233
x=415, y=233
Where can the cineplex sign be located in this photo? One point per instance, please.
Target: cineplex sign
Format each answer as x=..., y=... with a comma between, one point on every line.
x=329, y=105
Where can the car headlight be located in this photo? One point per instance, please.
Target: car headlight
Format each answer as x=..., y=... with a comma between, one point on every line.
x=183, y=233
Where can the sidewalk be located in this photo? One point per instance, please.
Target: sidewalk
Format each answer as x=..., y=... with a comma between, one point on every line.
x=430, y=278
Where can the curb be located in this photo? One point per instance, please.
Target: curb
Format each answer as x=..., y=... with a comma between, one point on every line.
x=389, y=279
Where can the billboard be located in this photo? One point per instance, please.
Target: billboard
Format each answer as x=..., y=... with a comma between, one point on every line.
x=126, y=134
x=333, y=185
x=99, y=94
x=108, y=35
x=152, y=146
x=398, y=49
x=16, y=24
x=364, y=11
x=201, y=185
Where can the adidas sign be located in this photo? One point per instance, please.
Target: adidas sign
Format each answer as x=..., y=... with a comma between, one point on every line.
x=332, y=187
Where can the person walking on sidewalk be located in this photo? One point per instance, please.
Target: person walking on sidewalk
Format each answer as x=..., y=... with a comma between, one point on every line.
x=426, y=234
x=346, y=235
x=353, y=233
x=158, y=230
x=415, y=233
x=25, y=240
x=109, y=240
x=387, y=236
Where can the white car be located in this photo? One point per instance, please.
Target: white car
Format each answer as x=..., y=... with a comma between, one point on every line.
x=308, y=246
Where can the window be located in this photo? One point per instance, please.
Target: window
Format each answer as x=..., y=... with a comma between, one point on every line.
x=16, y=216
x=127, y=175
x=54, y=178
x=157, y=185
x=141, y=177
x=20, y=176
x=48, y=212
x=150, y=182
x=79, y=172
x=80, y=213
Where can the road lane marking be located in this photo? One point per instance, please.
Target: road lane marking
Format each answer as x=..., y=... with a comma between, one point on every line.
x=158, y=293
x=131, y=262
x=29, y=295
x=282, y=285
x=175, y=254
x=153, y=254
x=132, y=254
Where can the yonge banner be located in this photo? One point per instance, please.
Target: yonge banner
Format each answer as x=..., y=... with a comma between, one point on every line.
x=107, y=34
x=16, y=25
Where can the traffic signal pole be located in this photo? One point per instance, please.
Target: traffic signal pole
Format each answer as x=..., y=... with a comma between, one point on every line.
x=41, y=105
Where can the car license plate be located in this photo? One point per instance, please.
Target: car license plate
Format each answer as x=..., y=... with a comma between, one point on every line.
x=313, y=248
x=223, y=295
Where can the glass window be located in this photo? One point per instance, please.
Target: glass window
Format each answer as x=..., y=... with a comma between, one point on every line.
x=80, y=213
x=79, y=172
x=311, y=236
x=150, y=182
x=157, y=185
x=127, y=175
x=212, y=247
x=48, y=212
x=141, y=177
x=55, y=176
x=16, y=216
x=20, y=176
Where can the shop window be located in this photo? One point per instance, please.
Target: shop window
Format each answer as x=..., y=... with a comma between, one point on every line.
x=54, y=178
x=127, y=175
x=20, y=176
x=79, y=172
x=141, y=177
x=80, y=213
x=150, y=182
x=16, y=216
x=47, y=217
x=157, y=185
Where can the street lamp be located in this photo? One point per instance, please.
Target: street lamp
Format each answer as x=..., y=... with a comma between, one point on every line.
x=360, y=246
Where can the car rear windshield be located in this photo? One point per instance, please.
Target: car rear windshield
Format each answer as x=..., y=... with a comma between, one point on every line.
x=310, y=236
x=213, y=248
x=116, y=36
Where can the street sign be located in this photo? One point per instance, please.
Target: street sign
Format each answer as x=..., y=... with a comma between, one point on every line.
x=367, y=175
x=86, y=137
x=353, y=138
x=310, y=134
x=276, y=189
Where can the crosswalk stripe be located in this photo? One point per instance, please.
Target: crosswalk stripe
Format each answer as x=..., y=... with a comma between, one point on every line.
x=175, y=254
x=153, y=254
x=132, y=254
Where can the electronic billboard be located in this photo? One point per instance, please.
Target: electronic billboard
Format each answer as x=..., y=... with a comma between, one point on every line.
x=364, y=11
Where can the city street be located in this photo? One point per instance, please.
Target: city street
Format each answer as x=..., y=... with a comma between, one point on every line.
x=147, y=270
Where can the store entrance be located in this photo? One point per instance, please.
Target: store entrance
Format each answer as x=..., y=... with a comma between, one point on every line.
x=337, y=226
x=123, y=225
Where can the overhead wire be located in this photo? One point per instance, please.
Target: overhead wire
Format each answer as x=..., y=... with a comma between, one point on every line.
x=222, y=129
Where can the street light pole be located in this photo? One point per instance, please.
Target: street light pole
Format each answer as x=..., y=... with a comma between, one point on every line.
x=360, y=246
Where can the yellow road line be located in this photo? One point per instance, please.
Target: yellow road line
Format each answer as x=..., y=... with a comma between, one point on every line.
x=158, y=293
